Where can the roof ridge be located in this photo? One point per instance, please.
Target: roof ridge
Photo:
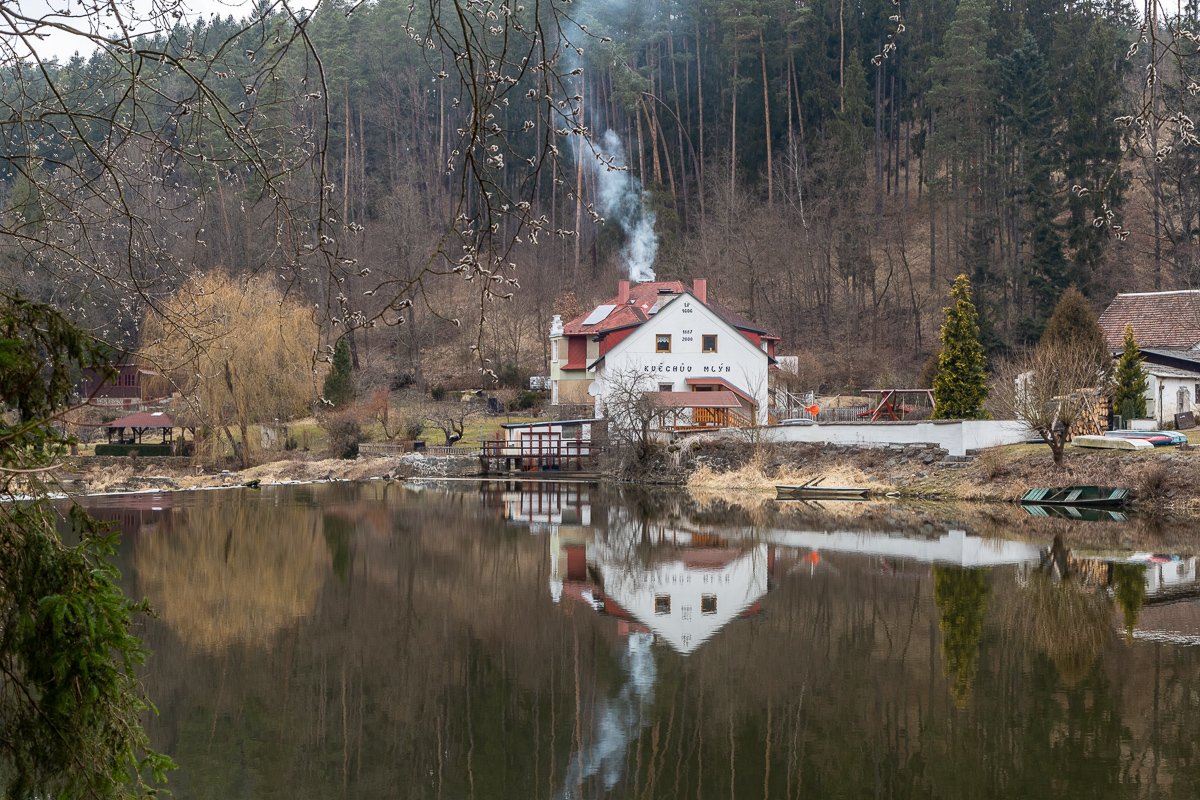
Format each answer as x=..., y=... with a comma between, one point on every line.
x=1155, y=294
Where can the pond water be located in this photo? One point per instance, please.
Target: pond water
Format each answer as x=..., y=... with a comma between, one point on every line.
x=541, y=641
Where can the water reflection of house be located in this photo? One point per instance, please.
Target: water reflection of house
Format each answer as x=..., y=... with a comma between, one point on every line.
x=952, y=547
x=1170, y=575
x=542, y=506
x=683, y=589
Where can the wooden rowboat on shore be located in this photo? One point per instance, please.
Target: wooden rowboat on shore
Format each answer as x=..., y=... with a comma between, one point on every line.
x=1080, y=496
x=814, y=490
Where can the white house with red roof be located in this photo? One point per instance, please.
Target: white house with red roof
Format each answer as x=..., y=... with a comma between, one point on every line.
x=705, y=363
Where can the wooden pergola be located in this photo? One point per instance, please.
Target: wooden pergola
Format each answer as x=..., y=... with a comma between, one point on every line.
x=133, y=428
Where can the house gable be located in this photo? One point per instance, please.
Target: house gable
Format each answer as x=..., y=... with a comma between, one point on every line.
x=736, y=363
x=687, y=321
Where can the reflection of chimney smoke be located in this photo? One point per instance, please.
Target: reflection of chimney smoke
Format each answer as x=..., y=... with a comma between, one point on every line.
x=623, y=200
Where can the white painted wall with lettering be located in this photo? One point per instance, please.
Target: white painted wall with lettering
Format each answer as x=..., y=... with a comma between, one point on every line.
x=687, y=321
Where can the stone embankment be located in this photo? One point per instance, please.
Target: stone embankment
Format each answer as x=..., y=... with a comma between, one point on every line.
x=97, y=475
x=1167, y=479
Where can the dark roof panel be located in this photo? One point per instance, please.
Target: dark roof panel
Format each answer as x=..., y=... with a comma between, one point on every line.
x=1169, y=320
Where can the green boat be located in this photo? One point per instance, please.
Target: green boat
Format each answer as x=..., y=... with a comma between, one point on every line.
x=1083, y=496
x=1085, y=514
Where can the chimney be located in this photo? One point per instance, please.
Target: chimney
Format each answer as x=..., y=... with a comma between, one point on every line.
x=700, y=289
x=622, y=292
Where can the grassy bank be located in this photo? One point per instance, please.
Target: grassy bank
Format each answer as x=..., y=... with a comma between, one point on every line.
x=1164, y=478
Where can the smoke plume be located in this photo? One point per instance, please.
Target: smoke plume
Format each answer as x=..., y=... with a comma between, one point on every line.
x=623, y=201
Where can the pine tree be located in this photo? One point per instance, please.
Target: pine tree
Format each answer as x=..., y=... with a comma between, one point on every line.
x=1091, y=144
x=339, y=383
x=961, y=383
x=1129, y=398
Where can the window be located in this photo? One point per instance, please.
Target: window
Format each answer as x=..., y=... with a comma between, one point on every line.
x=708, y=343
x=662, y=343
x=708, y=604
x=666, y=387
x=662, y=604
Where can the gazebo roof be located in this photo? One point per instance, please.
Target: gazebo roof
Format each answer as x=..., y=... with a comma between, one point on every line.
x=143, y=419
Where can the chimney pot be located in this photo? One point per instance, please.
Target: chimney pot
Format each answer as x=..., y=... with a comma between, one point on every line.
x=622, y=292
x=700, y=289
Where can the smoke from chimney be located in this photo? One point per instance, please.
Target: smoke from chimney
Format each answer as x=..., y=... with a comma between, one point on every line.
x=623, y=201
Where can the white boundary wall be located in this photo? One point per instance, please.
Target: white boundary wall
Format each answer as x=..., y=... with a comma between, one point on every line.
x=954, y=436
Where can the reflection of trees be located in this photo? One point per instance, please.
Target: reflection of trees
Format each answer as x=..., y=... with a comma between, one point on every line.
x=961, y=596
x=1065, y=620
x=234, y=569
x=441, y=668
x=1129, y=590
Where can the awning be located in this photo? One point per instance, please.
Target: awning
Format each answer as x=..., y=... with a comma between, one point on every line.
x=718, y=399
x=722, y=383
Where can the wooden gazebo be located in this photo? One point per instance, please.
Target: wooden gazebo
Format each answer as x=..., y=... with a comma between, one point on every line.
x=135, y=427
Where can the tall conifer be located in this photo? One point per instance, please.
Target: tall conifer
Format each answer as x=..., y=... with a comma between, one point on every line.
x=1129, y=398
x=960, y=386
x=339, y=383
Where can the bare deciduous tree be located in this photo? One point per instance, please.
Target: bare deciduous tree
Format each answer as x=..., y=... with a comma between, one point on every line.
x=1052, y=390
x=632, y=412
x=451, y=418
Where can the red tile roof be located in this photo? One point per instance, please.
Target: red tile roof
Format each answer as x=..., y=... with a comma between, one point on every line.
x=1159, y=319
x=642, y=299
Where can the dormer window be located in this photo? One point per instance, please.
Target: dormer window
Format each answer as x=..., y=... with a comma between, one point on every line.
x=662, y=343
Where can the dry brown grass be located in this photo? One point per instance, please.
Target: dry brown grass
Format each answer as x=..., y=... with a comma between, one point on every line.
x=757, y=476
x=109, y=479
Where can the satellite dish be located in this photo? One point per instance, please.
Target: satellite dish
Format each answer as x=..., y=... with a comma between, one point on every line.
x=593, y=389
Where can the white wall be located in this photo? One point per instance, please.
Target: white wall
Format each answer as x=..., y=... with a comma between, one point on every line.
x=687, y=320
x=955, y=436
x=1169, y=387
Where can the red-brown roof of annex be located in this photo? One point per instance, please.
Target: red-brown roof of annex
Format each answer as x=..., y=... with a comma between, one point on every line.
x=1159, y=319
x=636, y=304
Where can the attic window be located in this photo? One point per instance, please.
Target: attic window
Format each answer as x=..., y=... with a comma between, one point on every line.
x=662, y=604
x=708, y=343
x=662, y=343
x=708, y=604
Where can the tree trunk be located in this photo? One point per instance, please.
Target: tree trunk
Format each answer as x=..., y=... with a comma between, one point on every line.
x=700, y=108
x=581, y=149
x=733, y=125
x=762, y=57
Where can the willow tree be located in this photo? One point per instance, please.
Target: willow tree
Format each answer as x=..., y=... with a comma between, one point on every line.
x=237, y=351
x=960, y=386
